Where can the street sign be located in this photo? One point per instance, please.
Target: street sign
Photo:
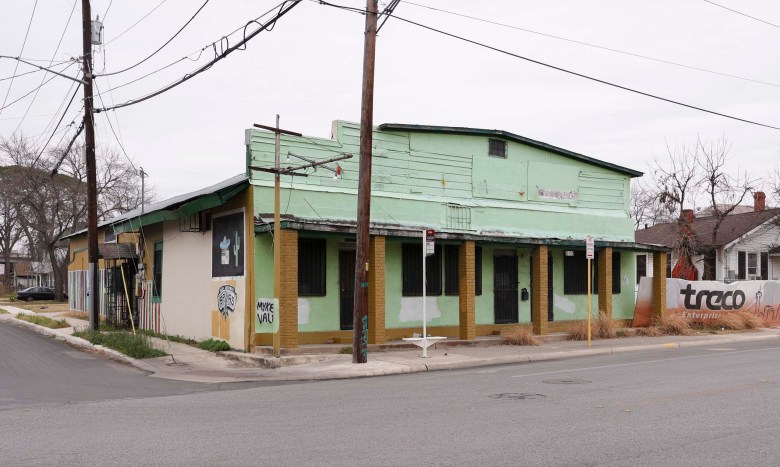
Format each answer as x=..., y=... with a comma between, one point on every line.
x=430, y=248
x=589, y=247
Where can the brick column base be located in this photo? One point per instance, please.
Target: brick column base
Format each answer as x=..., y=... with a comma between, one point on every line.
x=467, y=290
x=659, y=285
x=539, y=290
x=376, y=291
x=604, y=281
x=288, y=300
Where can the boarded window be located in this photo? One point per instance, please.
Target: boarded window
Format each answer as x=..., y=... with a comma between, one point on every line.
x=411, y=274
x=641, y=267
x=311, y=267
x=478, y=270
x=765, y=266
x=497, y=148
x=741, y=266
x=575, y=273
x=451, y=271
x=157, y=270
x=615, y=272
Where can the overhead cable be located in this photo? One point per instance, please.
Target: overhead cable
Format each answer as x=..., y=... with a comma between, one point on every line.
x=161, y=47
x=595, y=46
x=743, y=14
x=284, y=9
x=16, y=67
x=557, y=68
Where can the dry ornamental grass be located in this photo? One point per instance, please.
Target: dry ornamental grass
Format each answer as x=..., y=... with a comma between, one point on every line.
x=650, y=331
x=600, y=328
x=519, y=335
x=730, y=321
x=750, y=320
x=674, y=325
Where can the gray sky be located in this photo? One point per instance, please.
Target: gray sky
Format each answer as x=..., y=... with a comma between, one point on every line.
x=308, y=69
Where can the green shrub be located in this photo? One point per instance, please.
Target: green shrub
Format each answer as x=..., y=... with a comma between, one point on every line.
x=174, y=338
x=3, y=312
x=43, y=321
x=214, y=345
x=136, y=346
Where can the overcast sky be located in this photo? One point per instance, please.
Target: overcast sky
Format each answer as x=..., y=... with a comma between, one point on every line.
x=308, y=69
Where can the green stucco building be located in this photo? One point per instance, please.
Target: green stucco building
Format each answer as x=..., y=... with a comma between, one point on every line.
x=511, y=215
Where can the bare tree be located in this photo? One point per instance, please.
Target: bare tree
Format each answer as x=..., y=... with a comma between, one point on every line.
x=52, y=203
x=724, y=191
x=10, y=227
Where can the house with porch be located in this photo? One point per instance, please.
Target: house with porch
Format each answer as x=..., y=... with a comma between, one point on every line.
x=511, y=215
x=747, y=245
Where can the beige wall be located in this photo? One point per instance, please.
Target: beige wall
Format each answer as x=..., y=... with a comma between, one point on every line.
x=189, y=293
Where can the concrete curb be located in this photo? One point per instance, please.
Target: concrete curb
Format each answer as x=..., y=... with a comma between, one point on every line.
x=378, y=366
x=262, y=361
x=82, y=343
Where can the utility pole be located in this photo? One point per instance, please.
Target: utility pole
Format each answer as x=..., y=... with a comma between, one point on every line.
x=360, y=304
x=278, y=171
x=143, y=187
x=93, y=304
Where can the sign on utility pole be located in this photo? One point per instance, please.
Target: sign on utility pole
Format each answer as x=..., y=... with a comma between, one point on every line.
x=430, y=236
x=589, y=254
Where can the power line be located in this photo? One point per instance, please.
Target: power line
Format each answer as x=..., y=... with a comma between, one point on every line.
x=162, y=46
x=59, y=43
x=16, y=67
x=31, y=91
x=743, y=14
x=199, y=51
x=136, y=23
x=564, y=70
x=51, y=120
x=267, y=26
x=110, y=125
x=601, y=47
x=55, y=128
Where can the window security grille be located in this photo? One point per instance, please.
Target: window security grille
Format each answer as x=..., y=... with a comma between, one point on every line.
x=458, y=217
x=497, y=148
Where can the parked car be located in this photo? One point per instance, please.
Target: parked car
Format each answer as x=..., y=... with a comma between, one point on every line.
x=37, y=293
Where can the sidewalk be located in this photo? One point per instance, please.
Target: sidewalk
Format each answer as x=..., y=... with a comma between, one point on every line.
x=188, y=363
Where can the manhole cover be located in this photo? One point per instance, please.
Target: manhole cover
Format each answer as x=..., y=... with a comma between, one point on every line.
x=517, y=396
x=567, y=381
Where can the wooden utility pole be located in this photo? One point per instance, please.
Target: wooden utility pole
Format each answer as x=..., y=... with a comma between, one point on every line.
x=93, y=302
x=360, y=304
x=278, y=171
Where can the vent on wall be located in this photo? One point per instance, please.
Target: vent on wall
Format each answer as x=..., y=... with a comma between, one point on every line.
x=458, y=217
x=198, y=222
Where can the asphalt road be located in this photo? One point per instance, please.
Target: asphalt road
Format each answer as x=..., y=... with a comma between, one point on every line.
x=689, y=406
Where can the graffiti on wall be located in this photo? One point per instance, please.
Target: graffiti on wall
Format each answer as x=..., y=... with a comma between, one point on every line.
x=227, y=245
x=226, y=300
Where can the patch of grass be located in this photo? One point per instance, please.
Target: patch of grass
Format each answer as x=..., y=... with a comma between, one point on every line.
x=46, y=306
x=43, y=321
x=750, y=320
x=728, y=321
x=600, y=328
x=174, y=338
x=650, y=331
x=674, y=325
x=214, y=345
x=346, y=350
x=622, y=332
x=138, y=346
x=3, y=312
x=76, y=314
x=603, y=327
x=519, y=335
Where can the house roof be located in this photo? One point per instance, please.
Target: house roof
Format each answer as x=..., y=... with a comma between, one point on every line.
x=171, y=204
x=732, y=227
x=509, y=136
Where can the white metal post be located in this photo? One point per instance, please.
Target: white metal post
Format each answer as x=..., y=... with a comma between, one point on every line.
x=424, y=260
